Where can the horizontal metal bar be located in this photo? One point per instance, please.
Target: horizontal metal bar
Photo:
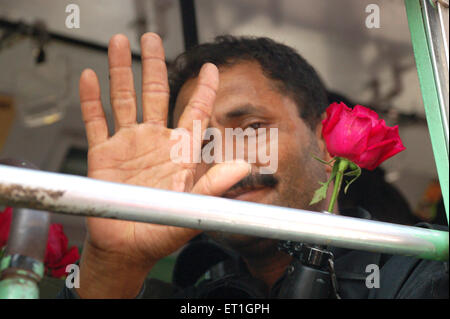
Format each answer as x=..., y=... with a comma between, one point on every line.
x=83, y=196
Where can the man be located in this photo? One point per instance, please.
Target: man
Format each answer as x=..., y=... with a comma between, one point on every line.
x=232, y=83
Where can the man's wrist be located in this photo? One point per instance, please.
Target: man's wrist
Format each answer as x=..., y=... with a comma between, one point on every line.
x=107, y=275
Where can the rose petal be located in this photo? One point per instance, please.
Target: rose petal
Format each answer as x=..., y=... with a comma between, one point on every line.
x=380, y=152
x=5, y=225
x=360, y=110
x=349, y=137
x=333, y=114
x=58, y=272
x=56, y=245
x=377, y=133
x=70, y=257
x=392, y=133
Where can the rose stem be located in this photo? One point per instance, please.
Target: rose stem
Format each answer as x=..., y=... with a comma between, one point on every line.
x=343, y=165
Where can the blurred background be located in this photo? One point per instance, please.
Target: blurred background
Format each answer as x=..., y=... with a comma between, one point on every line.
x=41, y=60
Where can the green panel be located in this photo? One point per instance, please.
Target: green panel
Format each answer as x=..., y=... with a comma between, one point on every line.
x=429, y=94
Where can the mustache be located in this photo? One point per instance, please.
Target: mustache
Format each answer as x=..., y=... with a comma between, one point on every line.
x=256, y=180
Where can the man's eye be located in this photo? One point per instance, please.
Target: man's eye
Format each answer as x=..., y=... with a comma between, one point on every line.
x=255, y=126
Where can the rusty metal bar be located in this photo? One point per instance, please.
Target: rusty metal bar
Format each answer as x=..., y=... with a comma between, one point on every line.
x=83, y=196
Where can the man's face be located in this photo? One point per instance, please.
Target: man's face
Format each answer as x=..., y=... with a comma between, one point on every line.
x=247, y=98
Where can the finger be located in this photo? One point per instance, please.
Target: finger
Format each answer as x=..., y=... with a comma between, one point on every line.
x=155, y=85
x=91, y=109
x=200, y=105
x=123, y=96
x=219, y=178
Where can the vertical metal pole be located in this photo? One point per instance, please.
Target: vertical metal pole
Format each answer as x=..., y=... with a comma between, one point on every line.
x=189, y=23
x=430, y=85
x=22, y=266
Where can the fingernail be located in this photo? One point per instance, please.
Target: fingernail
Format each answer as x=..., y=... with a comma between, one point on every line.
x=241, y=161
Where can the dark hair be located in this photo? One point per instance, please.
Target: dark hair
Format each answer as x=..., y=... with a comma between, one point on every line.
x=338, y=98
x=294, y=76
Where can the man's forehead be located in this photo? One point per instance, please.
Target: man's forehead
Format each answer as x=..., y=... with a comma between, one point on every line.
x=242, y=83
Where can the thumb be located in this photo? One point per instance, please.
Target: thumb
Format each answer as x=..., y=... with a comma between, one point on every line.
x=219, y=178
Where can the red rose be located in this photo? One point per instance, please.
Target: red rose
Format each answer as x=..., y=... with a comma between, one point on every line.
x=5, y=222
x=359, y=135
x=58, y=268
x=57, y=256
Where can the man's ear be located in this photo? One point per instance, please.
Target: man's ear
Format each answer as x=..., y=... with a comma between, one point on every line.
x=322, y=145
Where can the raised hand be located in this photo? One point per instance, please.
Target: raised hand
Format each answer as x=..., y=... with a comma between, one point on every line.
x=139, y=154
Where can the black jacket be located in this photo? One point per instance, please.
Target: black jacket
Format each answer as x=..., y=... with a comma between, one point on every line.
x=205, y=270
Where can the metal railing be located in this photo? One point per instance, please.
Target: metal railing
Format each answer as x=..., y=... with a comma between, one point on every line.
x=83, y=196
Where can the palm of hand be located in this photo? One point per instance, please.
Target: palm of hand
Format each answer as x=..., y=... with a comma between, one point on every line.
x=133, y=156
x=139, y=154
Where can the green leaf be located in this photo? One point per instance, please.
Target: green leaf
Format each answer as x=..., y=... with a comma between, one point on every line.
x=320, y=193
